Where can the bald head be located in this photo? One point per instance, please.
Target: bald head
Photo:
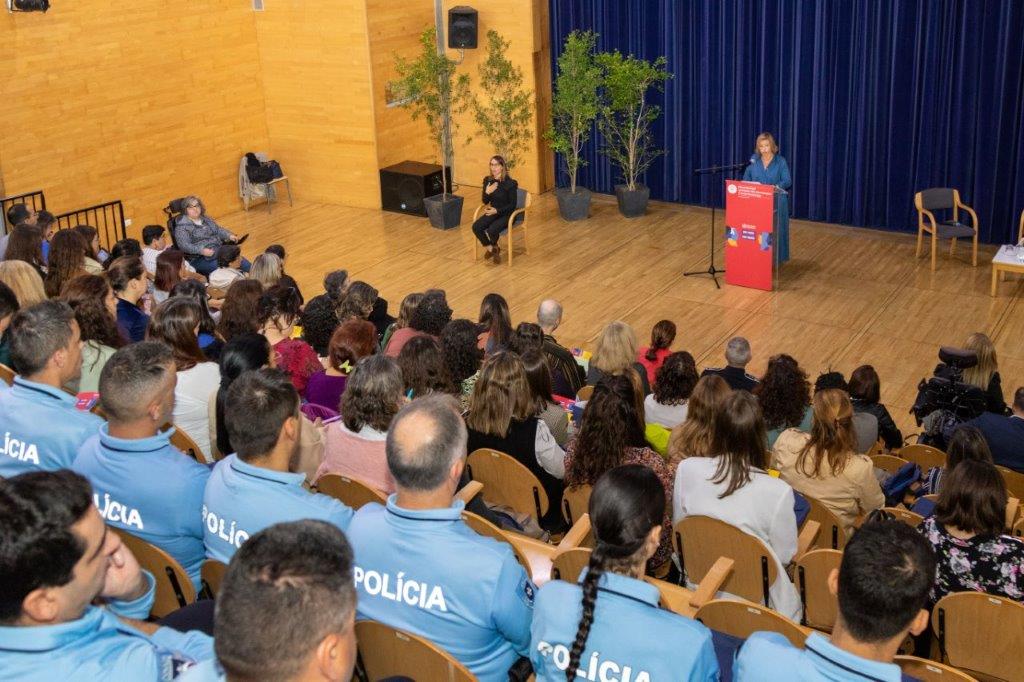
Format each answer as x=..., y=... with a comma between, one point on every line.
x=549, y=314
x=425, y=439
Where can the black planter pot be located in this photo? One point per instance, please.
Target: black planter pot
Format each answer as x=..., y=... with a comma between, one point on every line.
x=444, y=210
x=632, y=204
x=573, y=206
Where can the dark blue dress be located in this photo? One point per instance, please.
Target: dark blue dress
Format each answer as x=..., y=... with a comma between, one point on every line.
x=776, y=173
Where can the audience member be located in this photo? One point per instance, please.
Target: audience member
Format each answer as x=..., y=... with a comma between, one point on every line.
x=358, y=303
x=47, y=224
x=785, y=396
x=93, y=253
x=428, y=319
x=176, y=323
x=26, y=244
x=462, y=355
x=229, y=267
x=865, y=394
x=286, y=279
x=967, y=442
x=674, y=384
x=985, y=374
x=567, y=375
x=267, y=270
x=125, y=247
x=8, y=306
x=244, y=352
x=355, y=443
x=734, y=486
x=612, y=433
x=24, y=281
x=538, y=376
x=495, y=324
x=22, y=213
x=823, y=464
x=352, y=340
x=57, y=562
x=257, y=486
x=319, y=316
x=424, y=369
x=405, y=311
x=615, y=355
x=95, y=308
x=209, y=342
x=1005, y=435
x=67, y=261
x=170, y=265
x=663, y=335
x=240, y=311
x=882, y=587
x=692, y=438
x=629, y=631
x=502, y=417
x=865, y=424
x=279, y=311
x=42, y=428
x=527, y=336
x=737, y=357
x=463, y=591
x=128, y=279
x=198, y=236
x=141, y=483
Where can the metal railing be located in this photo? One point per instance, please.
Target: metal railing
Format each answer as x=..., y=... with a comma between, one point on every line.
x=34, y=199
x=108, y=219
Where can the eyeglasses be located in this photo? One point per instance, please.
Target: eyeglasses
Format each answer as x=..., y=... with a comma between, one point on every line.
x=192, y=206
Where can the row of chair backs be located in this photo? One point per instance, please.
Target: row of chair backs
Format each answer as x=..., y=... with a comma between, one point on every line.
x=701, y=540
x=924, y=456
x=508, y=482
x=386, y=652
x=742, y=619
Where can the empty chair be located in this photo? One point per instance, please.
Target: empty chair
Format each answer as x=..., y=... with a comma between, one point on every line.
x=173, y=586
x=927, y=202
x=924, y=456
x=388, y=652
x=832, y=535
x=981, y=633
x=508, y=482
x=812, y=571
x=742, y=619
x=574, y=502
x=350, y=491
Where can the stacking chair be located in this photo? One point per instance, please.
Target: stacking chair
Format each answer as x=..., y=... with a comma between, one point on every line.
x=173, y=586
x=742, y=619
x=1014, y=481
x=212, y=575
x=184, y=442
x=575, y=501
x=484, y=527
x=925, y=456
x=832, y=535
x=941, y=199
x=245, y=185
x=890, y=464
x=584, y=393
x=981, y=634
x=908, y=517
x=570, y=559
x=508, y=482
x=349, y=491
x=930, y=671
x=523, y=201
x=386, y=652
x=812, y=571
x=7, y=374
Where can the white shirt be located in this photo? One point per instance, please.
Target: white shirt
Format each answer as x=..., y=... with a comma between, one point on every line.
x=549, y=455
x=191, y=403
x=222, y=278
x=149, y=255
x=669, y=416
x=762, y=508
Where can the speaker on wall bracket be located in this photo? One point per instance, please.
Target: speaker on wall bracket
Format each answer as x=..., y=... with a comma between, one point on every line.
x=462, y=28
x=404, y=186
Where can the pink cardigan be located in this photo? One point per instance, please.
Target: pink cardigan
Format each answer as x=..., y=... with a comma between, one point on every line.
x=349, y=454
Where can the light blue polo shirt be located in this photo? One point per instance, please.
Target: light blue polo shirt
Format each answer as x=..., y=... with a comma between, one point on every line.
x=98, y=647
x=630, y=638
x=242, y=499
x=427, y=572
x=40, y=428
x=768, y=656
x=150, y=489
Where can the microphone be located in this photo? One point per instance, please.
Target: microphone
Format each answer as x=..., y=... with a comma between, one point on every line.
x=753, y=158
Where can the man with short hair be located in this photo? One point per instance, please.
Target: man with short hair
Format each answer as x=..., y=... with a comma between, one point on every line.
x=737, y=357
x=882, y=585
x=420, y=568
x=567, y=376
x=17, y=214
x=57, y=558
x=1005, y=435
x=141, y=483
x=286, y=608
x=40, y=427
x=259, y=486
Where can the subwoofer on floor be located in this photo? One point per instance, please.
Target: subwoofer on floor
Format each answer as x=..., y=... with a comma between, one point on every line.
x=404, y=186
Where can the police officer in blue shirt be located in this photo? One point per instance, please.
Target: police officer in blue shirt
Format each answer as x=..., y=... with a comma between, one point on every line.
x=257, y=486
x=40, y=428
x=610, y=626
x=56, y=559
x=883, y=582
x=420, y=568
x=140, y=482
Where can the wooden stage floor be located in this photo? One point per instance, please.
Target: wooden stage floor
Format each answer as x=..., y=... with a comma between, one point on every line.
x=849, y=296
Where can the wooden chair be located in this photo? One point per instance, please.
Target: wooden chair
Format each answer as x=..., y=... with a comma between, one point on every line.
x=575, y=502
x=685, y=602
x=930, y=671
x=212, y=575
x=1012, y=510
x=905, y=515
x=1014, y=481
x=812, y=571
x=890, y=464
x=388, y=652
x=981, y=634
x=488, y=529
x=518, y=218
x=877, y=449
x=584, y=393
x=7, y=374
x=173, y=586
x=924, y=456
x=184, y=442
x=742, y=619
x=938, y=199
x=569, y=564
x=349, y=491
x=1018, y=528
x=832, y=535
x=508, y=482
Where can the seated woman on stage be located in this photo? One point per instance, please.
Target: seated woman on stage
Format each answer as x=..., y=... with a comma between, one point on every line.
x=500, y=195
x=198, y=236
x=771, y=169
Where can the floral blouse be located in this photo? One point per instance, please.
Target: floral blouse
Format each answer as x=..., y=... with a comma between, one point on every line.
x=299, y=360
x=993, y=564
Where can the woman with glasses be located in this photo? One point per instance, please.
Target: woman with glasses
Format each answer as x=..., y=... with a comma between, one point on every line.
x=199, y=235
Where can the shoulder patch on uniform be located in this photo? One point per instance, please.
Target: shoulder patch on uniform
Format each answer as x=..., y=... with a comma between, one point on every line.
x=528, y=592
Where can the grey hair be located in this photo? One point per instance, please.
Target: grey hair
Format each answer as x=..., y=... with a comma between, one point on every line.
x=435, y=445
x=334, y=284
x=737, y=351
x=549, y=313
x=188, y=200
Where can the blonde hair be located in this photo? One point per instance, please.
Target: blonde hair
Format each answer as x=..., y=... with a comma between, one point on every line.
x=409, y=304
x=501, y=394
x=266, y=269
x=771, y=143
x=981, y=374
x=616, y=349
x=24, y=281
x=832, y=436
x=693, y=437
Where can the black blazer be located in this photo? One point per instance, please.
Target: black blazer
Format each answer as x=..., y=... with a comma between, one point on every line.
x=887, y=429
x=504, y=198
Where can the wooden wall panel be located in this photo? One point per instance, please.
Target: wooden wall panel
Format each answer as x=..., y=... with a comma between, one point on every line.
x=140, y=102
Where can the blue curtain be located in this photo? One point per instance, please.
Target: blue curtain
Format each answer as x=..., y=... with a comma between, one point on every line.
x=869, y=100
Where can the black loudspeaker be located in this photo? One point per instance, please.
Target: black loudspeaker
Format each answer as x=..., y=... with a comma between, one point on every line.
x=462, y=27
x=404, y=186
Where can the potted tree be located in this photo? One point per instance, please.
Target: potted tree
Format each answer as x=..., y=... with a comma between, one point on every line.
x=625, y=123
x=574, y=106
x=502, y=110
x=430, y=88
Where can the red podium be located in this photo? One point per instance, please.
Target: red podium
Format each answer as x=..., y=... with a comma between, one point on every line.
x=749, y=234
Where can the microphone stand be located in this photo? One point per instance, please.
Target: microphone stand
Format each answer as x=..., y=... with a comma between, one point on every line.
x=712, y=270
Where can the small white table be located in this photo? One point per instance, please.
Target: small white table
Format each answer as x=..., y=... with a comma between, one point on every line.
x=1005, y=261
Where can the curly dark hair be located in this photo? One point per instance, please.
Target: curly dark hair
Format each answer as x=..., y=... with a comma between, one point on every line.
x=675, y=379
x=358, y=302
x=319, y=320
x=432, y=314
x=528, y=336
x=784, y=392
x=610, y=424
x=87, y=296
x=423, y=367
x=461, y=352
x=279, y=302
x=373, y=394
x=240, y=312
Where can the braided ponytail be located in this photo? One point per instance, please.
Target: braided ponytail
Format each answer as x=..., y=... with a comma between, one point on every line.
x=594, y=571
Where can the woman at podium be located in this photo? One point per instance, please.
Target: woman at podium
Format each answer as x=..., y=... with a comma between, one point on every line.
x=767, y=167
